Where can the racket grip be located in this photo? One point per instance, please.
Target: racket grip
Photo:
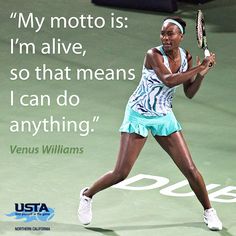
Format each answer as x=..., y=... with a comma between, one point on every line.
x=206, y=52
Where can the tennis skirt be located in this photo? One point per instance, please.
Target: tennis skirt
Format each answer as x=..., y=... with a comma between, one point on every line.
x=158, y=125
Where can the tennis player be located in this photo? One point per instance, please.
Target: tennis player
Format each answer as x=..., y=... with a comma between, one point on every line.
x=150, y=109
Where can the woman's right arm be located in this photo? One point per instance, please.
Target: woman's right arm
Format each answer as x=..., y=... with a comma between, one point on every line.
x=154, y=61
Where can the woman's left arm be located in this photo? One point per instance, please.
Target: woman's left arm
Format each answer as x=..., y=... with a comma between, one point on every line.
x=192, y=86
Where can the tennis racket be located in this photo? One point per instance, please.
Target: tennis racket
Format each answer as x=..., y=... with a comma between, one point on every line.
x=201, y=33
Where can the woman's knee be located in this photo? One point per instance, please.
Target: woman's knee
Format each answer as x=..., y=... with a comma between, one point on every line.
x=192, y=173
x=119, y=175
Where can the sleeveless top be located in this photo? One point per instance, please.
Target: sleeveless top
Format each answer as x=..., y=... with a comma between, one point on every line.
x=152, y=97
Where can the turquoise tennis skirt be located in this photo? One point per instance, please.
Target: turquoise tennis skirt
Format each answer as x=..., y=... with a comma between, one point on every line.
x=158, y=125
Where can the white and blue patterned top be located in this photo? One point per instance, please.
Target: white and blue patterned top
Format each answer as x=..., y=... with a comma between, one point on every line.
x=152, y=97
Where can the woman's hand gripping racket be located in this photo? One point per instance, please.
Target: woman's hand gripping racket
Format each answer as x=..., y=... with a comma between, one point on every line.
x=201, y=34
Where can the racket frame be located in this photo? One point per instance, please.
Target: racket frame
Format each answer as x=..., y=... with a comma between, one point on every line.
x=203, y=42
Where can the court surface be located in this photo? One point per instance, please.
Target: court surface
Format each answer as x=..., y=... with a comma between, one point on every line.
x=208, y=121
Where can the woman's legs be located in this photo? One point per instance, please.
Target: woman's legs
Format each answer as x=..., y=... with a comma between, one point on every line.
x=176, y=147
x=130, y=147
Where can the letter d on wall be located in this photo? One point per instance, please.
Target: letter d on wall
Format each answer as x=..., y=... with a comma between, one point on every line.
x=159, y=182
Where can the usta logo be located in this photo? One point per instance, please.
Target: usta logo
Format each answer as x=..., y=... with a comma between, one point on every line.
x=29, y=207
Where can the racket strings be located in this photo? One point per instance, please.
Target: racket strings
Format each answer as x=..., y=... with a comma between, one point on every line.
x=200, y=29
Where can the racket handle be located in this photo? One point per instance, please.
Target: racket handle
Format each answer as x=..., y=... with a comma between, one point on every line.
x=206, y=52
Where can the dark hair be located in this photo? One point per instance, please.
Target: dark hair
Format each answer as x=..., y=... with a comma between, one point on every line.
x=179, y=20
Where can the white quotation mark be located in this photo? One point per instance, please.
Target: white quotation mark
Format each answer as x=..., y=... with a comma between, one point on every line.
x=13, y=15
x=95, y=119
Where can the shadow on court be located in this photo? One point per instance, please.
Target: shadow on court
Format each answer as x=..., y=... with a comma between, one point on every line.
x=6, y=227
x=107, y=232
x=112, y=232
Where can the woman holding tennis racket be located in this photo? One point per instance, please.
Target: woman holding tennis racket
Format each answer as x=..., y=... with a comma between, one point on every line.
x=150, y=109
